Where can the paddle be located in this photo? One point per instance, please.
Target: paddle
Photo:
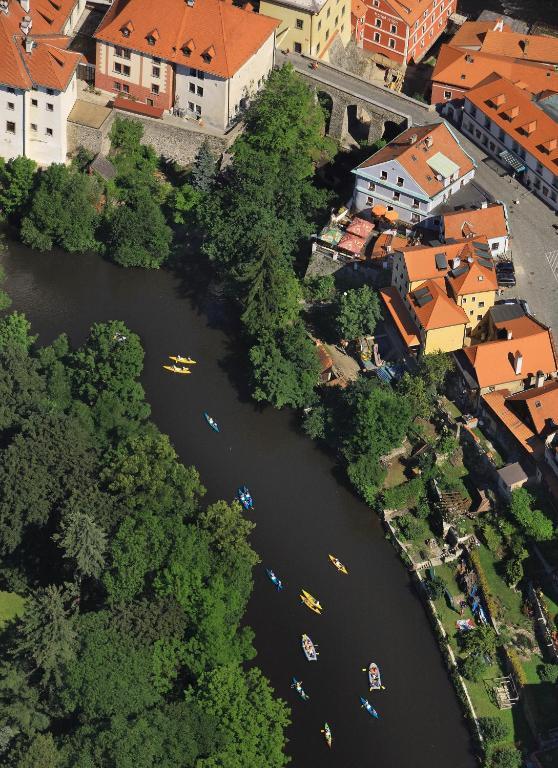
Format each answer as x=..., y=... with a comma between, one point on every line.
x=382, y=687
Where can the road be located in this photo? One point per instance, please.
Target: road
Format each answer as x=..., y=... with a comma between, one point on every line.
x=374, y=94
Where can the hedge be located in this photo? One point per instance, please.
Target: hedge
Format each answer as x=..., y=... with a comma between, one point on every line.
x=490, y=602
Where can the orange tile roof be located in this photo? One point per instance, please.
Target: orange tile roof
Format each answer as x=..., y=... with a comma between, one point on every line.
x=493, y=361
x=440, y=311
x=514, y=112
x=385, y=241
x=471, y=33
x=49, y=64
x=490, y=221
x=414, y=157
x=498, y=402
x=410, y=10
x=477, y=279
x=541, y=404
x=220, y=36
x=358, y=8
x=527, y=47
x=466, y=69
x=420, y=260
x=401, y=316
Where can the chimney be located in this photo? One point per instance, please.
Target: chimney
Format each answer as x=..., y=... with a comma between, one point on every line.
x=484, y=204
x=539, y=381
x=26, y=5
x=517, y=363
x=190, y=3
x=29, y=44
x=509, y=335
x=4, y=7
x=413, y=139
x=428, y=142
x=456, y=262
x=25, y=24
x=499, y=26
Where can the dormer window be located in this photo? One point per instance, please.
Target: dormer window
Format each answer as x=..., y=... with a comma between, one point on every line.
x=127, y=29
x=152, y=37
x=208, y=54
x=188, y=47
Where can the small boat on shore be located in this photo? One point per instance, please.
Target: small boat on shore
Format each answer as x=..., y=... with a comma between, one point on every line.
x=311, y=602
x=212, y=423
x=326, y=730
x=374, y=677
x=297, y=685
x=310, y=650
x=368, y=707
x=176, y=369
x=274, y=580
x=181, y=359
x=245, y=497
x=338, y=564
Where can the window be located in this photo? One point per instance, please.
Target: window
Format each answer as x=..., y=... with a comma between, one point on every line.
x=423, y=28
x=50, y=107
x=481, y=304
x=34, y=127
x=447, y=94
x=192, y=88
x=383, y=175
x=376, y=3
x=397, y=196
x=464, y=300
x=150, y=40
x=198, y=109
x=156, y=72
x=156, y=60
x=479, y=317
x=34, y=103
x=371, y=186
x=376, y=37
x=393, y=29
x=391, y=42
x=117, y=86
x=11, y=90
x=370, y=201
x=123, y=53
x=343, y=29
x=50, y=92
x=154, y=89
x=501, y=134
x=390, y=207
x=539, y=167
x=473, y=298
x=487, y=122
x=378, y=23
x=415, y=218
x=473, y=111
x=191, y=106
x=49, y=131
x=11, y=106
x=416, y=203
x=299, y=23
x=118, y=67
x=327, y=34
x=318, y=48
x=471, y=312
x=126, y=70
x=492, y=146
x=150, y=102
x=545, y=191
x=199, y=90
x=328, y=12
x=10, y=127
x=297, y=48
x=337, y=21
x=126, y=88
x=319, y=25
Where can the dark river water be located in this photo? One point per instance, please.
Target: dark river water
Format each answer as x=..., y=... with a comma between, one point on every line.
x=527, y=10
x=302, y=514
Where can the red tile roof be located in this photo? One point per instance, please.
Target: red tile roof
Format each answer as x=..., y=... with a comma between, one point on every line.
x=415, y=147
x=527, y=47
x=541, y=404
x=401, y=316
x=499, y=403
x=440, y=311
x=219, y=36
x=472, y=33
x=490, y=221
x=420, y=262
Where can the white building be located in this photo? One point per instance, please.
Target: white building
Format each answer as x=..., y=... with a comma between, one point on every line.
x=490, y=220
x=519, y=130
x=414, y=174
x=37, y=78
x=203, y=59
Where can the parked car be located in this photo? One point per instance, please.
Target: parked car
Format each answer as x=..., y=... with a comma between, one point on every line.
x=505, y=273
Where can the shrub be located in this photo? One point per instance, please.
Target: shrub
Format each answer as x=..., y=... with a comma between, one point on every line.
x=505, y=756
x=491, y=537
x=548, y=673
x=472, y=667
x=493, y=729
x=490, y=602
x=319, y=288
x=410, y=527
x=516, y=667
x=405, y=496
x=435, y=588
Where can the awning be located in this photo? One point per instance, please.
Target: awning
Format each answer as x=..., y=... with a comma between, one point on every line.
x=391, y=216
x=379, y=210
x=512, y=160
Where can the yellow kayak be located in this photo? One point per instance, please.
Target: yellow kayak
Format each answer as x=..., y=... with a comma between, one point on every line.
x=312, y=606
x=184, y=360
x=176, y=369
x=338, y=564
x=310, y=600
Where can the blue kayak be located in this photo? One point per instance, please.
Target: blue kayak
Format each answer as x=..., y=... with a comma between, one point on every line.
x=368, y=707
x=278, y=583
x=297, y=685
x=245, y=497
x=212, y=423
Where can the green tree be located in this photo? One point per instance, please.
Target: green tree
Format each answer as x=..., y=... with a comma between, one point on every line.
x=137, y=233
x=358, y=311
x=229, y=531
x=505, y=756
x=435, y=588
x=319, y=288
x=42, y=752
x=14, y=332
x=493, y=729
x=126, y=134
x=5, y=300
x=434, y=369
x=17, y=178
x=47, y=637
x=204, y=170
x=62, y=211
x=83, y=542
x=532, y=521
x=416, y=392
x=473, y=668
x=182, y=203
x=23, y=709
x=482, y=641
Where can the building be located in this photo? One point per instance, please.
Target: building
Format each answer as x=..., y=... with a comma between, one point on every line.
x=539, y=49
x=518, y=353
x=404, y=30
x=310, y=26
x=471, y=34
x=202, y=59
x=458, y=70
x=518, y=130
x=37, y=77
x=414, y=173
x=358, y=21
x=491, y=221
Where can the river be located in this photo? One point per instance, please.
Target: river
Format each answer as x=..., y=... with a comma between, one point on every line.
x=526, y=10
x=302, y=512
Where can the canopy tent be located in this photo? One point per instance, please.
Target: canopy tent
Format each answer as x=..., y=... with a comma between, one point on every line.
x=360, y=227
x=392, y=216
x=352, y=243
x=330, y=235
x=379, y=210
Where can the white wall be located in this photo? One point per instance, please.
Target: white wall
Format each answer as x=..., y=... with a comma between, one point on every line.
x=73, y=17
x=11, y=144
x=251, y=76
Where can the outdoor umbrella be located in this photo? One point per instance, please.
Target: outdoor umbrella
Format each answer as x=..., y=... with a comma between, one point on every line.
x=379, y=210
x=391, y=216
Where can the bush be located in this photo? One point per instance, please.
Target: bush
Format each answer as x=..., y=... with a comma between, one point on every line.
x=319, y=288
x=410, y=527
x=548, y=673
x=405, y=496
x=491, y=538
x=490, y=603
x=516, y=667
x=472, y=667
x=422, y=510
x=493, y=729
x=435, y=588
x=505, y=756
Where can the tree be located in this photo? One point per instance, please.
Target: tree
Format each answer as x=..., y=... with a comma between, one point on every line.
x=204, y=169
x=320, y=288
x=20, y=701
x=506, y=756
x=42, y=752
x=47, y=636
x=482, y=641
x=182, y=202
x=285, y=368
x=358, y=311
x=14, y=333
x=17, y=178
x=126, y=134
x=493, y=728
x=62, y=211
x=532, y=521
x=548, y=673
x=434, y=369
x=435, y=587
x=137, y=233
x=83, y=542
x=229, y=531
x=473, y=668
x=415, y=390
x=5, y=300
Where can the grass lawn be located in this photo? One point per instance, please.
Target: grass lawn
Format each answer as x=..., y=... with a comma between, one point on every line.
x=489, y=447
x=451, y=408
x=395, y=475
x=11, y=605
x=508, y=599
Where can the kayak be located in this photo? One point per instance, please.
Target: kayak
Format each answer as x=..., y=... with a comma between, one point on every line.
x=176, y=369
x=212, y=423
x=278, y=583
x=374, y=677
x=326, y=730
x=297, y=685
x=310, y=650
x=245, y=497
x=311, y=605
x=308, y=598
x=181, y=359
x=338, y=564
x=368, y=707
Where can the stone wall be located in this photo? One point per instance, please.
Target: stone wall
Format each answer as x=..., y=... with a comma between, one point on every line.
x=91, y=139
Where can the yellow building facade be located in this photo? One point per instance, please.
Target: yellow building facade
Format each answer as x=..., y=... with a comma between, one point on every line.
x=309, y=26
x=476, y=305
x=447, y=339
